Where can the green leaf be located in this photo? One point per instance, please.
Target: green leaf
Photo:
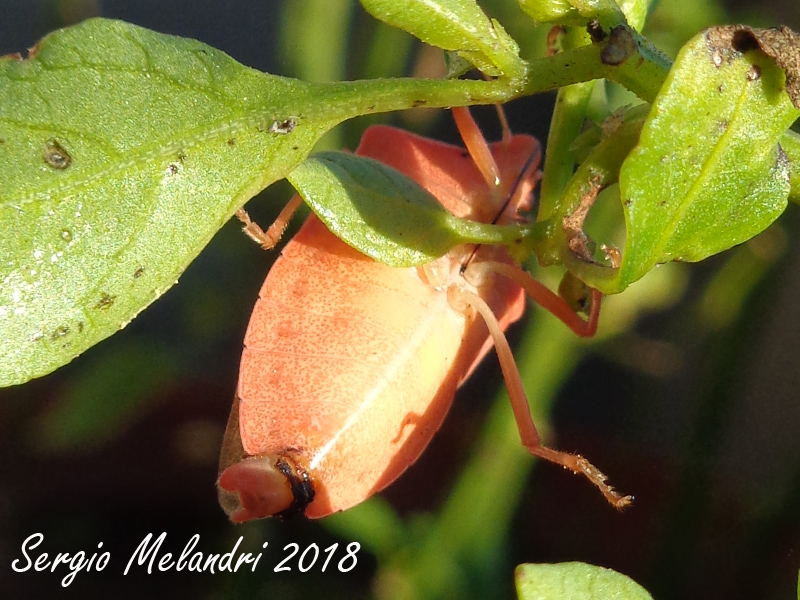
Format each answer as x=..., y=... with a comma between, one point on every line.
x=708, y=172
x=575, y=581
x=122, y=151
x=456, y=25
x=383, y=213
x=553, y=11
x=580, y=12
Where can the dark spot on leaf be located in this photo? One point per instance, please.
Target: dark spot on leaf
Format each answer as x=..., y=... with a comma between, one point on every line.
x=138, y=273
x=779, y=43
x=754, y=73
x=418, y=103
x=295, y=147
x=55, y=155
x=105, y=302
x=66, y=235
x=172, y=169
x=621, y=46
x=80, y=326
x=283, y=127
x=743, y=41
x=59, y=332
x=721, y=89
x=232, y=142
x=596, y=31
x=628, y=202
x=370, y=108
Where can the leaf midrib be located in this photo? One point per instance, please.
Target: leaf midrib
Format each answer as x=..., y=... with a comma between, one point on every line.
x=705, y=173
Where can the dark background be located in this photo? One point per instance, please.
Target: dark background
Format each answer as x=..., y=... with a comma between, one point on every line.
x=692, y=407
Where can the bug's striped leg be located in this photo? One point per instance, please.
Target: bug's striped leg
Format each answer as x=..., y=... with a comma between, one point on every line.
x=519, y=404
x=269, y=239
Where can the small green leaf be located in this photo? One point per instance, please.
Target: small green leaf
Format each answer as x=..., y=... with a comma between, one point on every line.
x=708, y=172
x=579, y=12
x=457, y=25
x=553, y=11
x=385, y=214
x=575, y=581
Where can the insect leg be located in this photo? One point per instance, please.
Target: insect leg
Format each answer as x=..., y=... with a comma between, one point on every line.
x=519, y=404
x=477, y=146
x=269, y=238
x=542, y=295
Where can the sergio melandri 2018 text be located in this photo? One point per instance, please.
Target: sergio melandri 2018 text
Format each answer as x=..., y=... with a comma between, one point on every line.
x=148, y=555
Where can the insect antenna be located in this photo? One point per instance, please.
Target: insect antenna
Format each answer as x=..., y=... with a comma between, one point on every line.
x=501, y=115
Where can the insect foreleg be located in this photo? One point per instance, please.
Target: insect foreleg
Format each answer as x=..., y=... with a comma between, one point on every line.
x=268, y=239
x=477, y=147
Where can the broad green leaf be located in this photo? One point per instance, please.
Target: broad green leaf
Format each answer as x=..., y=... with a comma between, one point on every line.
x=708, y=172
x=385, y=214
x=575, y=581
x=122, y=151
x=456, y=25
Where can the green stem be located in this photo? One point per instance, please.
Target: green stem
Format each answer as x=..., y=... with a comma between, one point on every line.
x=568, y=117
x=643, y=72
x=559, y=163
x=607, y=12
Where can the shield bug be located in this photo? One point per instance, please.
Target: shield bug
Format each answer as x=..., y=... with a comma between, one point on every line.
x=350, y=366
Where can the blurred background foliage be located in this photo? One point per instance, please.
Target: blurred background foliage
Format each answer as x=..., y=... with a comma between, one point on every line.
x=687, y=398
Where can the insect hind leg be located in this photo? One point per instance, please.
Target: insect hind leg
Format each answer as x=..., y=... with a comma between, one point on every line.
x=519, y=403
